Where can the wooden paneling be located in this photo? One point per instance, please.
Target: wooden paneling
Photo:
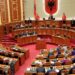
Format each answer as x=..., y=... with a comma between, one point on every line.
x=15, y=10
x=3, y=11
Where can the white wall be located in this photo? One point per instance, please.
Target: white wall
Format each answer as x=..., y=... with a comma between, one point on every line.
x=29, y=8
x=66, y=6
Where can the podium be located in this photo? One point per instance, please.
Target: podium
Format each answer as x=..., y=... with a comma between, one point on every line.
x=41, y=44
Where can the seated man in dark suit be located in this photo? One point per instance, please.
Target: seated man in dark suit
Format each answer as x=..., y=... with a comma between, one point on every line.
x=58, y=47
x=50, y=53
x=73, y=51
x=47, y=59
x=50, y=70
x=73, y=67
x=58, y=53
x=40, y=69
x=61, y=71
x=73, y=59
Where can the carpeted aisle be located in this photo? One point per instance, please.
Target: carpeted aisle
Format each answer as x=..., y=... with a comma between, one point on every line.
x=33, y=53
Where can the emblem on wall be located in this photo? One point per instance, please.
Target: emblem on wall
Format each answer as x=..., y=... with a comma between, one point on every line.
x=51, y=6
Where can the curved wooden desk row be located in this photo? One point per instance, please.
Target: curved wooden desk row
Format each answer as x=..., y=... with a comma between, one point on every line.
x=47, y=31
x=55, y=35
x=13, y=56
x=9, y=61
x=60, y=40
x=7, y=28
x=18, y=49
x=26, y=40
x=36, y=23
x=51, y=39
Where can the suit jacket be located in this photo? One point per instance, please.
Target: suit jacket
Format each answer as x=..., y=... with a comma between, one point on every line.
x=70, y=71
x=50, y=70
x=73, y=52
x=40, y=69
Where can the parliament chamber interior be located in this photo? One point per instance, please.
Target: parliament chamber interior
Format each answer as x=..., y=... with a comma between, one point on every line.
x=37, y=37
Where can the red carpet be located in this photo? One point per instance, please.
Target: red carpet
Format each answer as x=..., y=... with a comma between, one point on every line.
x=33, y=53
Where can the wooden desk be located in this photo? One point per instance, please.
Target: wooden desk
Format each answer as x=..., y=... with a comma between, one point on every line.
x=5, y=68
x=12, y=54
x=69, y=33
x=26, y=40
x=19, y=56
x=10, y=61
x=41, y=44
x=15, y=52
x=60, y=40
x=19, y=49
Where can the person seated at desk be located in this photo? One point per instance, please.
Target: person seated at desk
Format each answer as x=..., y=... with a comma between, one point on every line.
x=1, y=52
x=65, y=61
x=6, y=61
x=16, y=48
x=17, y=26
x=13, y=55
x=58, y=53
x=29, y=21
x=50, y=53
x=11, y=63
x=1, y=71
x=40, y=69
x=73, y=59
x=16, y=36
x=58, y=48
x=48, y=26
x=47, y=59
x=65, y=48
x=73, y=51
x=60, y=72
x=5, y=53
x=34, y=33
x=52, y=69
x=13, y=47
x=1, y=61
x=23, y=34
x=72, y=67
x=31, y=33
x=32, y=69
x=22, y=26
x=38, y=62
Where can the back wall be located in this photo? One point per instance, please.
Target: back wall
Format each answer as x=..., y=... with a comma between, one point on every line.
x=64, y=6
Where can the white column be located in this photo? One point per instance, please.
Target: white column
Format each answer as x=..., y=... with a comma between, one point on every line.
x=0, y=20
x=22, y=9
